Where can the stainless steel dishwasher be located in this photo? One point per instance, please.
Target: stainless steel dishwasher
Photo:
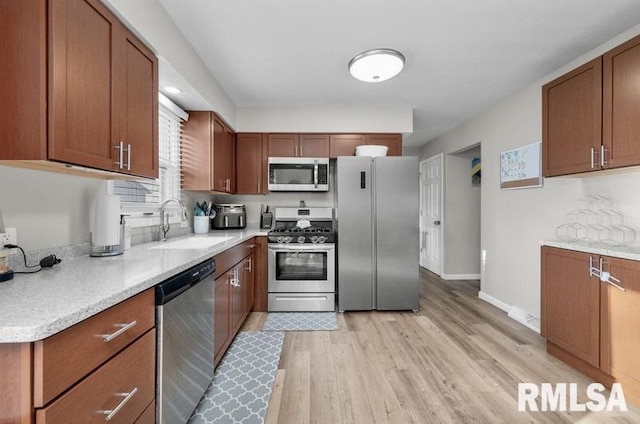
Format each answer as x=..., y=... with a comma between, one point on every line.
x=184, y=313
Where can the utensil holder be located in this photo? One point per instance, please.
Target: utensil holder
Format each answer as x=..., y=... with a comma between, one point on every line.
x=201, y=224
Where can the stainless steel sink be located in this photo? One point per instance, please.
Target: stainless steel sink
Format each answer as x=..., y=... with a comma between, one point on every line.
x=201, y=242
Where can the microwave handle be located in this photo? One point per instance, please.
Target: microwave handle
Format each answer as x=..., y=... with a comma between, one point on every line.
x=315, y=173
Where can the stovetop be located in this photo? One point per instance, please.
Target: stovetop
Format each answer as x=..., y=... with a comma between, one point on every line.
x=302, y=235
x=303, y=225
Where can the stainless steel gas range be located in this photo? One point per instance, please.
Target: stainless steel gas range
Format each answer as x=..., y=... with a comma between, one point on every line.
x=302, y=260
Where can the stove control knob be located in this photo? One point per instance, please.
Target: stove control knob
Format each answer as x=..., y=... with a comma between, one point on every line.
x=314, y=239
x=322, y=239
x=288, y=239
x=301, y=239
x=280, y=239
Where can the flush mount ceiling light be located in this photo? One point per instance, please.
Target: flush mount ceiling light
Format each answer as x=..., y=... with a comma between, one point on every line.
x=172, y=90
x=376, y=65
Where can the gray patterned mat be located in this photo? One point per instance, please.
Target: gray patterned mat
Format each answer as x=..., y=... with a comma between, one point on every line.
x=242, y=384
x=301, y=321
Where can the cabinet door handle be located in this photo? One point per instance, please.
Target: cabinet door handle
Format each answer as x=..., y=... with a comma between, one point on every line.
x=593, y=158
x=128, y=157
x=120, y=148
x=602, y=151
x=249, y=264
x=110, y=413
x=301, y=154
x=123, y=329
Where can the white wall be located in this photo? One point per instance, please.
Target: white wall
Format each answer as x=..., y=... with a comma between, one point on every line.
x=153, y=24
x=461, y=223
x=325, y=119
x=514, y=221
x=47, y=209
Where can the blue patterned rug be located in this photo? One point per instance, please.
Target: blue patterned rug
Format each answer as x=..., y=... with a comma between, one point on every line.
x=242, y=384
x=301, y=321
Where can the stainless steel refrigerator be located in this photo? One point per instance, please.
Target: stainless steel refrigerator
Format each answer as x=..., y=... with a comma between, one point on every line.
x=378, y=230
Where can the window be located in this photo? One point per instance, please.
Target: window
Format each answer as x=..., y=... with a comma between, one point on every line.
x=139, y=196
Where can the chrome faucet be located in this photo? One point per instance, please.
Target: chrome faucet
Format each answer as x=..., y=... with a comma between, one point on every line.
x=165, y=226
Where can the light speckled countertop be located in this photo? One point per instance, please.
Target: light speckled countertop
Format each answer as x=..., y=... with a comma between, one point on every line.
x=34, y=307
x=623, y=252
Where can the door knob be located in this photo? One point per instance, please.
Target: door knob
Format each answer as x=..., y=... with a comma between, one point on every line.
x=436, y=222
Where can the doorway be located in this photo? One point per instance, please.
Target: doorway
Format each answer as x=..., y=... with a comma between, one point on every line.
x=431, y=196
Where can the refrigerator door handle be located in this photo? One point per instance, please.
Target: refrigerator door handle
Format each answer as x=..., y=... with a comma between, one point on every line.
x=363, y=180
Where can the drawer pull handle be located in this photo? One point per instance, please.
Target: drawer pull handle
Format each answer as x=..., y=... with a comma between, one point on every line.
x=110, y=413
x=123, y=328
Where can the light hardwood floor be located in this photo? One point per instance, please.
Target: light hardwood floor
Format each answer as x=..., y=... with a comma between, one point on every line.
x=459, y=360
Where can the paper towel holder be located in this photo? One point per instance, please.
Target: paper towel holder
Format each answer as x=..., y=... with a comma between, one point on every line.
x=101, y=251
x=107, y=227
x=98, y=251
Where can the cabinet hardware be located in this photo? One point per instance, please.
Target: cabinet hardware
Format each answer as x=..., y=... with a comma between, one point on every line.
x=123, y=328
x=602, y=151
x=128, y=157
x=593, y=158
x=110, y=413
x=301, y=154
x=120, y=148
x=250, y=264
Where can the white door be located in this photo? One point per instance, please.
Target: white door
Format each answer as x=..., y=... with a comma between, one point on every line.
x=431, y=213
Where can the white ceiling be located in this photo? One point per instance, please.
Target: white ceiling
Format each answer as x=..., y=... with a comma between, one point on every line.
x=462, y=56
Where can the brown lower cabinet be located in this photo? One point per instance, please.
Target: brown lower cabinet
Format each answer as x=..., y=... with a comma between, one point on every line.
x=234, y=291
x=590, y=324
x=76, y=377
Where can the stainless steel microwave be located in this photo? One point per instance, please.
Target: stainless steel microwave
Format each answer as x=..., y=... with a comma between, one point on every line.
x=298, y=174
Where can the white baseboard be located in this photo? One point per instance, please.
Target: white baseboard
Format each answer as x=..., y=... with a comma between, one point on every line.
x=460, y=276
x=514, y=312
x=495, y=302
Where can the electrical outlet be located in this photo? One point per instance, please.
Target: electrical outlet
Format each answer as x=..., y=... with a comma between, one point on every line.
x=10, y=236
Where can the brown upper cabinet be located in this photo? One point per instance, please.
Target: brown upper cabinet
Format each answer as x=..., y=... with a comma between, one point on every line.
x=345, y=144
x=591, y=115
x=74, y=65
x=251, y=176
x=208, y=154
x=298, y=145
x=621, y=105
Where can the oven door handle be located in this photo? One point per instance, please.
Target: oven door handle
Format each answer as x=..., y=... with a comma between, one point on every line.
x=302, y=247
